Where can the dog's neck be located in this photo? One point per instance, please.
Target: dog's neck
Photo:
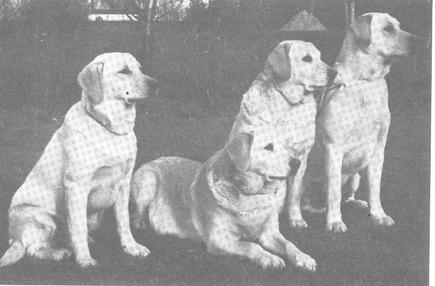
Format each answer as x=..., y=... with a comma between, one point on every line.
x=354, y=63
x=120, y=125
x=293, y=94
x=227, y=194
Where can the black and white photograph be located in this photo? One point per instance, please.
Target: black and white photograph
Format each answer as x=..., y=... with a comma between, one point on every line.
x=215, y=142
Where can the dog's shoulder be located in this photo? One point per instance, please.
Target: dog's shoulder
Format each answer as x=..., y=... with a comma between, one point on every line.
x=78, y=120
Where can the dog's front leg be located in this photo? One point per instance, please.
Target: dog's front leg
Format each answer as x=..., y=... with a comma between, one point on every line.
x=272, y=240
x=79, y=168
x=295, y=190
x=128, y=242
x=333, y=166
x=245, y=249
x=373, y=174
x=76, y=196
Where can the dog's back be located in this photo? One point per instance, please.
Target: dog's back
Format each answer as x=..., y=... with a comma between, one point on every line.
x=163, y=186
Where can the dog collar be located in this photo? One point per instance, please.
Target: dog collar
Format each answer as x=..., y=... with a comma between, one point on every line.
x=103, y=121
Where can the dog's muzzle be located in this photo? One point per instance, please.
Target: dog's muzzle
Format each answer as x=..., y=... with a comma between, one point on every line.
x=151, y=87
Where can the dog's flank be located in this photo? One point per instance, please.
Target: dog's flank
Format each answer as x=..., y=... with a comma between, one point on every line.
x=13, y=254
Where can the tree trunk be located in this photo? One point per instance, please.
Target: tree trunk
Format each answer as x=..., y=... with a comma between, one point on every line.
x=349, y=6
x=147, y=17
x=352, y=11
x=312, y=4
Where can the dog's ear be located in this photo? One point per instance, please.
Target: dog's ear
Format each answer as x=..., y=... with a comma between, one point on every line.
x=239, y=149
x=278, y=65
x=361, y=29
x=90, y=79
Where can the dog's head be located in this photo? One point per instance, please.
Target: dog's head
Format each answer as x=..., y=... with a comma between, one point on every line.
x=112, y=84
x=379, y=33
x=258, y=160
x=298, y=63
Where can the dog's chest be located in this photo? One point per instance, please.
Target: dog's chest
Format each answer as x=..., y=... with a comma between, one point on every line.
x=367, y=113
x=364, y=121
x=114, y=150
x=296, y=123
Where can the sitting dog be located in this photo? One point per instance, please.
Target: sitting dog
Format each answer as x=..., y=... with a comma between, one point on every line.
x=354, y=118
x=232, y=202
x=85, y=168
x=282, y=96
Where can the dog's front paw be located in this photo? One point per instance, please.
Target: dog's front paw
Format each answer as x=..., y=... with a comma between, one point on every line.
x=382, y=220
x=136, y=249
x=271, y=261
x=86, y=262
x=298, y=223
x=138, y=224
x=336, y=226
x=60, y=254
x=305, y=262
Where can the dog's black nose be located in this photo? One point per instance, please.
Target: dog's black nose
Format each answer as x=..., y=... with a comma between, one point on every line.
x=294, y=166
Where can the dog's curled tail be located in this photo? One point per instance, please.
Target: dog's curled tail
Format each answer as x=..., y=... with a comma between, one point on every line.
x=14, y=253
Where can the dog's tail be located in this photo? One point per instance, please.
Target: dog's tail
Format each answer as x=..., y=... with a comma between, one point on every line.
x=15, y=253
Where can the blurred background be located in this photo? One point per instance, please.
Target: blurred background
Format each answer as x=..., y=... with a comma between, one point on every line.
x=206, y=54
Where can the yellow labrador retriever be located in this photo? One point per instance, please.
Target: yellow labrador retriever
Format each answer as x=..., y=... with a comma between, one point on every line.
x=354, y=119
x=85, y=168
x=232, y=202
x=283, y=97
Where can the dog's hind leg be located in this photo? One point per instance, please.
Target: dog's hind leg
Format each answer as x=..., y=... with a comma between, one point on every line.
x=31, y=231
x=144, y=186
x=351, y=187
x=52, y=253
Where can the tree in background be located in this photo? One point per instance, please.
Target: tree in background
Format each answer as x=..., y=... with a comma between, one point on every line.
x=349, y=6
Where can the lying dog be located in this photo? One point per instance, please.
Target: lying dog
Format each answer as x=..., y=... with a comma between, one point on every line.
x=231, y=203
x=85, y=168
x=282, y=96
x=354, y=119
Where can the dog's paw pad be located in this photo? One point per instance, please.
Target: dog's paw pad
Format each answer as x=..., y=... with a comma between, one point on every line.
x=136, y=249
x=298, y=223
x=305, y=261
x=337, y=227
x=87, y=262
x=382, y=220
x=272, y=261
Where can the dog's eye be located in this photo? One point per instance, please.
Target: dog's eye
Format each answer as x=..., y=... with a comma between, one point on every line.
x=389, y=29
x=307, y=59
x=269, y=147
x=125, y=71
